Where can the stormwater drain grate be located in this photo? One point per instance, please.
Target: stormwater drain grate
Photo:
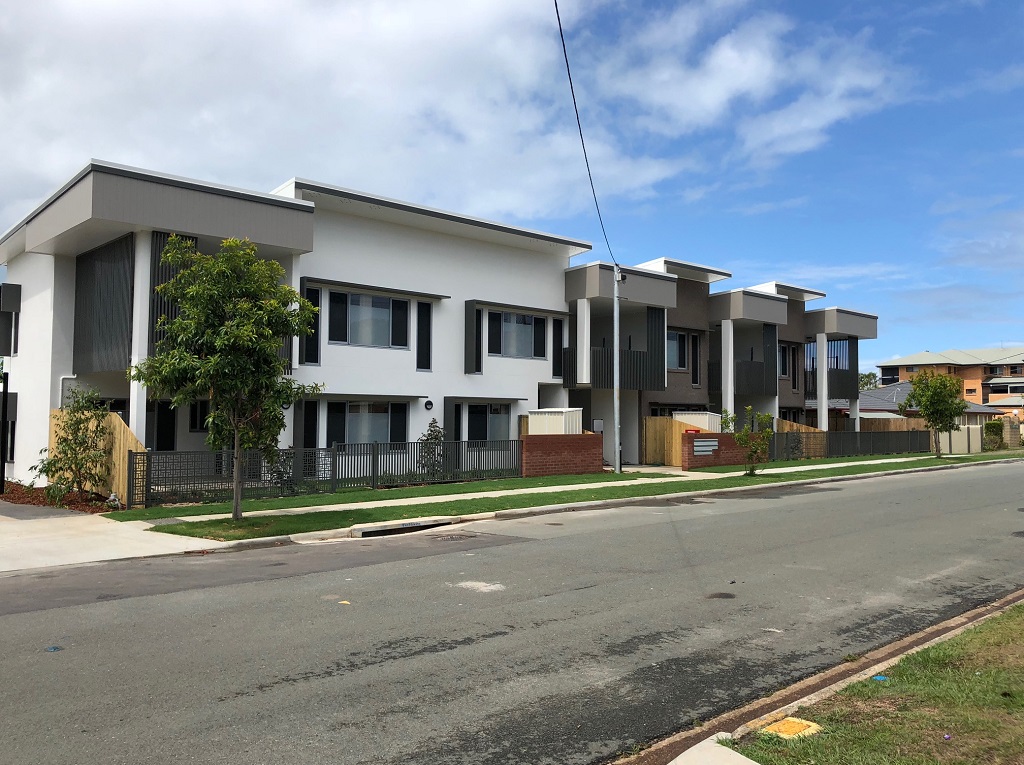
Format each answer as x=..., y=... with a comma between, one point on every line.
x=453, y=537
x=1017, y=534
x=720, y=596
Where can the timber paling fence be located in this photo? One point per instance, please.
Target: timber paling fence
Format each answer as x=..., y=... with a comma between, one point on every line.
x=159, y=478
x=795, y=446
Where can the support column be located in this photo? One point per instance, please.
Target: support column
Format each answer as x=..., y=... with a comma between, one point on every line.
x=822, y=358
x=728, y=367
x=855, y=413
x=583, y=329
x=140, y=329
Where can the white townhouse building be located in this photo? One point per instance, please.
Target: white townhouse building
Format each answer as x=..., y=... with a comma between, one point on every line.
x=423, y=314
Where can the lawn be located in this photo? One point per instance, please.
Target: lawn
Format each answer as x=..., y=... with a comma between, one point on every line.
x=362, y=494
x=275, y=525
x=960, y=701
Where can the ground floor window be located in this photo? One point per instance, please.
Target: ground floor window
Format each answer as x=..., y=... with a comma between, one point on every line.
x=488, y=422
x=364, y=422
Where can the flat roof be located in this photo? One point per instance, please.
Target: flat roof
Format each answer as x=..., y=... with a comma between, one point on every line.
x=303, y=184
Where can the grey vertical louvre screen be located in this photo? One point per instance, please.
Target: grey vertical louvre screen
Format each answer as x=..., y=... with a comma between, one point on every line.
x=104, y=280
x=160, y=273
x=157, y=478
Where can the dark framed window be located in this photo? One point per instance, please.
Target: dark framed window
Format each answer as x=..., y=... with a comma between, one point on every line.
x=311, y=342
x=372, y=320
x=516, y=335
x=377, y=421
x=557, y=347
x=198, y=413
x=695, y=359
x=783, y=361
x=794, y=354
x=676, y=357
x=488, y=422
x=424, y=316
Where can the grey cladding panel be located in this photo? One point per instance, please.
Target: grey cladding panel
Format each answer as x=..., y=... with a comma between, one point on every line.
x=103, y=307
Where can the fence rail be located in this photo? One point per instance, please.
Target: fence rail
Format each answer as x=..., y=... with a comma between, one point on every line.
x=157, y=478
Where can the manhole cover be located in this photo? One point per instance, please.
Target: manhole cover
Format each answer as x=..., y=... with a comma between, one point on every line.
x=721, y=596
x=453, y=537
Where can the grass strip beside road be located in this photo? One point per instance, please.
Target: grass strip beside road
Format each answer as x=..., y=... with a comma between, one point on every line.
x=960, y=701
x=279, y=525
x=363, y=494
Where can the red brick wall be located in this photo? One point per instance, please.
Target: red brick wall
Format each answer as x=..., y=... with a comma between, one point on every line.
x=553, y=454
x=727, y=453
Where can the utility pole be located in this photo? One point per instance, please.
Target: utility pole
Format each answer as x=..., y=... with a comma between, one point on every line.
x=617, y=426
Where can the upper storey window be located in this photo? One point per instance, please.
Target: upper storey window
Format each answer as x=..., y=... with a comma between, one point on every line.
x=373, y=320
x=516, y=335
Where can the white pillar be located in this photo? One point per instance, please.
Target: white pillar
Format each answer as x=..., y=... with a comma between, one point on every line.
x=855, y=413
x=822, y=356
x=583, y=329
x=140, y=329
x=286, y=438
x=728, y=367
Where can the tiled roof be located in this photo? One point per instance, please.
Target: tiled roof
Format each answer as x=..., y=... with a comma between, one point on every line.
x=888, y=399
x=964, y=358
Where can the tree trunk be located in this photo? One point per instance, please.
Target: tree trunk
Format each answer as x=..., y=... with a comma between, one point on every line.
x=236, y=500
x=938, y=443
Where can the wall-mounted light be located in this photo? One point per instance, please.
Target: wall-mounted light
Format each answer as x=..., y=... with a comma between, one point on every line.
x=428, y=405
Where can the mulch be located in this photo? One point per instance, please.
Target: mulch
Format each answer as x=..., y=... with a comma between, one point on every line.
x=19, y=494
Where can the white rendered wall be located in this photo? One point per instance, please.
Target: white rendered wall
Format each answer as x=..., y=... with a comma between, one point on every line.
x=46, y=338
x=364, y=251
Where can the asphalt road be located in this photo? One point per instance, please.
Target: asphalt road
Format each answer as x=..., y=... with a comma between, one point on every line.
x=553, y=639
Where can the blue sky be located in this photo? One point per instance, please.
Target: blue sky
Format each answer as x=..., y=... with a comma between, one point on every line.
x=869, y=150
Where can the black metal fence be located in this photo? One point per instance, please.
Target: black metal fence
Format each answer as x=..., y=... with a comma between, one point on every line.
x=159, y=478
x=795, y=446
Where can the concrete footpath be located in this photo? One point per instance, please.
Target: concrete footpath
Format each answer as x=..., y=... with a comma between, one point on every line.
x=37, y=537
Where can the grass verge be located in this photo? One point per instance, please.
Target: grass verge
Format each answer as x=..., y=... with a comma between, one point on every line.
x=961, y=701
x=276, y=525
x=361, y=494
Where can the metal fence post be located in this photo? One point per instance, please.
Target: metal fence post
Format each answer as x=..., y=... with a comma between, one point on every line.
x=334, y=467
x=129, y=495
x=374, y=465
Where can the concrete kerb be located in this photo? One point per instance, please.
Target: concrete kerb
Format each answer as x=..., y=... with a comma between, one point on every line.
x=427, y=523
x=676, y=749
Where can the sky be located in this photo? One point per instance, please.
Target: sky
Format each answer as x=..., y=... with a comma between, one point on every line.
x=872, y=150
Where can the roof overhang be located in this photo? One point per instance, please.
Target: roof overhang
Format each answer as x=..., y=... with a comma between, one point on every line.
x=350, y=202
x=693, y=272
x=104, y=201
x=790, y=291
x=841, y=322
x=748, y=305
x=640, y=286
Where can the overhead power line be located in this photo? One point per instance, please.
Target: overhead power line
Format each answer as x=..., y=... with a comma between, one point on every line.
x=583, y=143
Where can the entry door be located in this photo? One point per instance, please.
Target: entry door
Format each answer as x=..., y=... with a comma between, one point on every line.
x=166, y=427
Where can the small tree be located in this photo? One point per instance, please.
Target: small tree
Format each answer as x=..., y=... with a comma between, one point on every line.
x=939, y=400
x=993, y=438
x=225, y=344
x=431, y=457
x=80, y=457
x=868, y=381
x=756, y=435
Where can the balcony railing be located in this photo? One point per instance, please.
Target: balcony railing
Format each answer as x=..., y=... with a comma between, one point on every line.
x=635, y=372
x=842, y=383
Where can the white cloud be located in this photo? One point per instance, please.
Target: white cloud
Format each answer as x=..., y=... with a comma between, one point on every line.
x=954, y=204
x=992, y=242
x=457, y=104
